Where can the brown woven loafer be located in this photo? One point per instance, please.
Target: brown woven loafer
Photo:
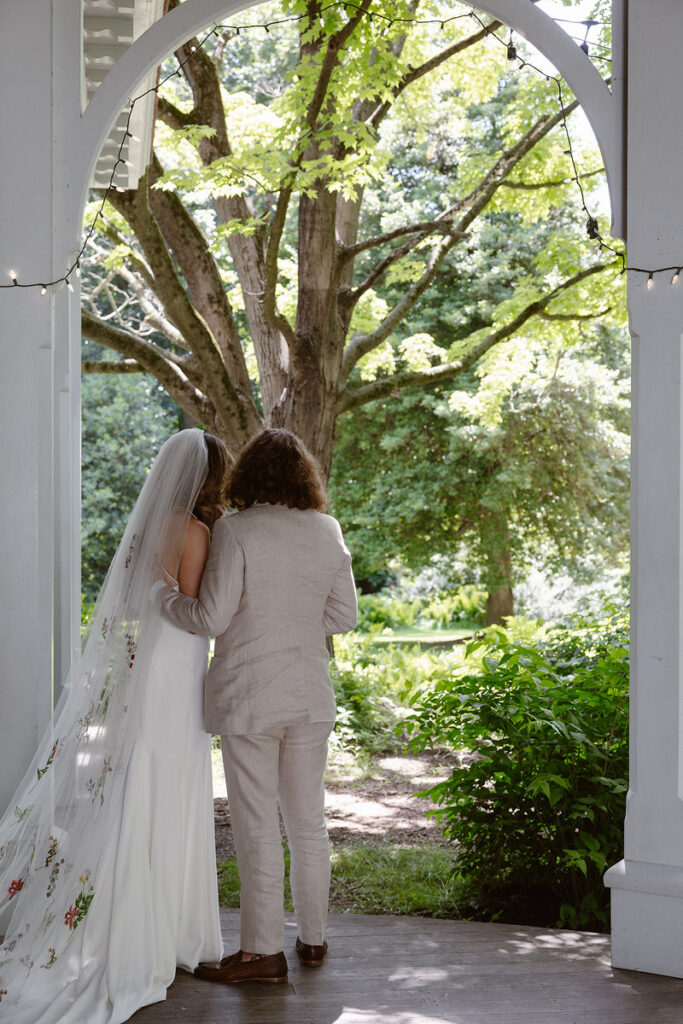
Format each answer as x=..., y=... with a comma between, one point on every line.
x=312, y=956
x=232, y=970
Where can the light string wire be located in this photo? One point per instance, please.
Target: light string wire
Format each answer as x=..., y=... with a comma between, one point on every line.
x=216, y=31
x=592, y=226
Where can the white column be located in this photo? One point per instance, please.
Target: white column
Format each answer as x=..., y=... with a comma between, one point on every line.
x=647, y=886
x=37, y=447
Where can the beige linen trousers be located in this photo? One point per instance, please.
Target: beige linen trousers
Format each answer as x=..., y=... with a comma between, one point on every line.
x=277, y=582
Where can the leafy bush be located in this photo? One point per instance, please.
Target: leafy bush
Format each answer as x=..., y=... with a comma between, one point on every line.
x=374, y=685
x=388, y=611
x=361, y=686
x=537, y=806
x=468, y=604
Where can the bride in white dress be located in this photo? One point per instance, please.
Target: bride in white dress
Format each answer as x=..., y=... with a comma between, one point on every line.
x=107, y=859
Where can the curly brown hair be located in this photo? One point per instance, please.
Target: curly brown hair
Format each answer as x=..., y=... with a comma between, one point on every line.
x=211, y=500
x=276, y=468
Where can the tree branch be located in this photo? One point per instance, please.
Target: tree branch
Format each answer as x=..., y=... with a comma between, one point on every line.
x=235, y=408
x=330, y=59
x=469, y=208
x=351, y=398
x=533, y=186
x=418, y=72
x=568, y=317
x=247, y=251
x=203, y=278
x=153, y=316
x=172, y=116
x=360, y=344
x=424, y=227
x=111, y=366
x=151, y=359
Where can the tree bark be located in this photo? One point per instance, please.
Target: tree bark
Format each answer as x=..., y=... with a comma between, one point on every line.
x=495, y=537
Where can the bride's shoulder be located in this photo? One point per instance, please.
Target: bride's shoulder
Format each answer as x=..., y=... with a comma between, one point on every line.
x=198, y=528
x=198, y=534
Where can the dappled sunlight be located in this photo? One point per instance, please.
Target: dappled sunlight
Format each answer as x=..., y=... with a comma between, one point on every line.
x=415, y=769
x=555, y=945
x=353, y=1015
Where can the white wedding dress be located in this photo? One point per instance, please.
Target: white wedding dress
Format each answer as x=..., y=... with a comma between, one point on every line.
x=107, y=858
x=156, y=902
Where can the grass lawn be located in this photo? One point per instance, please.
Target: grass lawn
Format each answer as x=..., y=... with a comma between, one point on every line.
x=425, y=637
x=375, y=879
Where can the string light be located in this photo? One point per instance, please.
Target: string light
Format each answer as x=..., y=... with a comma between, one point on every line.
x=511, y=55
x=514, y=61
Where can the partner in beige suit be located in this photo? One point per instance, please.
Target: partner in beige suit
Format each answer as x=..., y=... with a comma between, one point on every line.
x=277, y=582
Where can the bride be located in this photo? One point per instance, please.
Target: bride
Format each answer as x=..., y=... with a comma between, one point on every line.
x=107, y=859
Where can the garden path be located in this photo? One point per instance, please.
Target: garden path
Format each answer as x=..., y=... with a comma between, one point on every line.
x=367, y=799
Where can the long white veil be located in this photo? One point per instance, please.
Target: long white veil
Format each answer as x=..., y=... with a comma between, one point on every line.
x=59, y=833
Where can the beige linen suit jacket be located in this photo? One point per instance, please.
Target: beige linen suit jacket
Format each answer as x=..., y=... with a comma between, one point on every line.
x=277, y=582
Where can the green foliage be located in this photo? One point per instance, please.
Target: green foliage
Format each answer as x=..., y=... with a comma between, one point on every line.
x=527, y=463
x=362, y=684
x=535, y=809
x=125, y=422
x=466, y=605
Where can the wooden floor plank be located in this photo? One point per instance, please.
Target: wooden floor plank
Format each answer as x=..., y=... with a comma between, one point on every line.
x=384, y=970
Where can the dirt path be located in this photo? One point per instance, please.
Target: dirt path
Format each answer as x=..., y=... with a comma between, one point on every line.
x=366, y=801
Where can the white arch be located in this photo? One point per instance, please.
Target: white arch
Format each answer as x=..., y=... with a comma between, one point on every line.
x=602, y=108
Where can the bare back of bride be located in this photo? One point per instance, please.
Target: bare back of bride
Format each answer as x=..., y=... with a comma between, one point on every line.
x=107, y=860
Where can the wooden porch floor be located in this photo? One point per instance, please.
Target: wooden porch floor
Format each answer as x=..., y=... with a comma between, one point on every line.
x=398, y=970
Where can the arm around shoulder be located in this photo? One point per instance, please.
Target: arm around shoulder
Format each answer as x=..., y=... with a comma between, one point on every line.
x=211, y=612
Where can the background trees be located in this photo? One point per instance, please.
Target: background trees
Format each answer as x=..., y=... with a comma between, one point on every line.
x=345, y=219
x=125, y=422
x=525, y=465
x=369, y=152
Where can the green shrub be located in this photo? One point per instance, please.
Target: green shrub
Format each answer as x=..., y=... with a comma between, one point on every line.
x=86, y=612
x=361, y=686
x=387, y=611
x=536, y=808
x=468, y=604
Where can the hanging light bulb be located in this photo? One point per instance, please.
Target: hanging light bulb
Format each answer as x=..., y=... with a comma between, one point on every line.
x=675, y=278
x=512, y=56
x=13, y=276
x=43, y=289
x=650, y=282
x=69, y=284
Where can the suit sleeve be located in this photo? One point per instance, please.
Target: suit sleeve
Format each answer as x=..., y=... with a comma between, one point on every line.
x=341, y=608
x=210, y=614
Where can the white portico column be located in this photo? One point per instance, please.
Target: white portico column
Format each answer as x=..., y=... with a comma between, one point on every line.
x=647, y=886
x=40, y=86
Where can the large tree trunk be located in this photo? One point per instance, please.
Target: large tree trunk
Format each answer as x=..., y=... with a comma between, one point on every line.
x=499, y=605
x=495, y=537
x=309, y=407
